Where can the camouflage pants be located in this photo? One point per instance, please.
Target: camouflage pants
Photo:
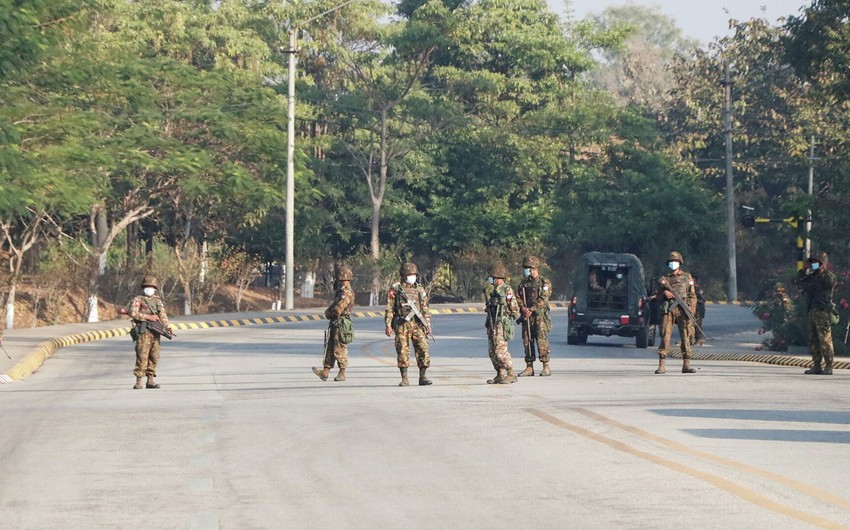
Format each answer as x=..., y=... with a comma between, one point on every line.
x=147, y=354
x=536, y=336
x=819, y=330
x=498, y=348
x=406, y=333
x=335, y=350
x=677, y=317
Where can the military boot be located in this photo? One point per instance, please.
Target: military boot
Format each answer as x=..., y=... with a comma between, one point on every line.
x=686, y=367
x=404, y=380
x=341, y=375
x=814, y=370
x=138, y=384
x=827, y=370
x=500, y=376
x=151, y=383
x=546, y=371
x=529, y=370
x=322, y=372
x=510, y=377
x=661, y=368
x=423, y=379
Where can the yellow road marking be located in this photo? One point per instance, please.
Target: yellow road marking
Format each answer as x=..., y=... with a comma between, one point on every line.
x=717, y=481
x=802, y=487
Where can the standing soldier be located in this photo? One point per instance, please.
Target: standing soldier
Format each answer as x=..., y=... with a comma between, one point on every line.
x=147, y=307
x=817, y=284
x=408, y=315
x=679, y=282
x=340, y=330
x=502, y=310
x=534, y=291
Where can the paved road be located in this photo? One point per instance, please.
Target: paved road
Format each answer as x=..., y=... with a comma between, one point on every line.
x=243, y=436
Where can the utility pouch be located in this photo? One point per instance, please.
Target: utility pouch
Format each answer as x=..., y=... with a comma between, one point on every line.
x=346, y=330
x=834, y=317
x=508, y=327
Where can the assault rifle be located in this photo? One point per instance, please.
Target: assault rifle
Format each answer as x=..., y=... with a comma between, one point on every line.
x=159, y=327
x=526, y=325
x=415, y=313
x=681, y=303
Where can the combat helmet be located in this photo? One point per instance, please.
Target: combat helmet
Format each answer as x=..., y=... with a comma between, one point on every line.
x=344, y=273
x=408, y=268
x=819, y=255
x=497, y=270
x=675, y=256
x=531, y=261
x=150, y=281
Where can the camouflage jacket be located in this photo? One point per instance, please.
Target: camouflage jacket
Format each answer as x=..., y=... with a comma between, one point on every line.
x=534, y=293
x=818, y=287
x=681, y=284
x=342, y=305
x=397, y=299
x=147, y=305
x=501, y=303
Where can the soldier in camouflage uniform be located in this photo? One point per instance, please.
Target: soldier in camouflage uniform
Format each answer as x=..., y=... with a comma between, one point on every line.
x=339, y=314
x=502, y=309
x=400, y=318
x=533, y=297
x=145, y=308
x=818, y=283
x=681, y=283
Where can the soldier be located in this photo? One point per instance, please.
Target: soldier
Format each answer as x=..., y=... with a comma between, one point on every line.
x=340, y=329
x=534, y=291
x=401, y=318
x=145, y=308
x=679, y=282
x=818, y=283
x=502, y=310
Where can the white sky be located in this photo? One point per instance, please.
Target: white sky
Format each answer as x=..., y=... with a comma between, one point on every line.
x=700, y=19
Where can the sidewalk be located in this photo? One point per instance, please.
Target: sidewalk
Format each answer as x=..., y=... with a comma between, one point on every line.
x=30, y=347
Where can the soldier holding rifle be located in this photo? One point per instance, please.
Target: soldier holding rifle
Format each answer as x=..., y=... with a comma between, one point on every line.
x=502, y=308
x=407, y=314
x=534, y=292
x=149, y=322
x=678, y=298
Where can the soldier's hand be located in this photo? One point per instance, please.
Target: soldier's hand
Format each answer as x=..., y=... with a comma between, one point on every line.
x=668, y=295
x=154, y=318
x=389, y=331
x=526, y=313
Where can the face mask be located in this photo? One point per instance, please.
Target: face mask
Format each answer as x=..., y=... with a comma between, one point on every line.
x=411, y=279
x=673, y=265
x=526, y=272
x=815, y=266
x=619, y=276
x=490, y=280
x=149, y=291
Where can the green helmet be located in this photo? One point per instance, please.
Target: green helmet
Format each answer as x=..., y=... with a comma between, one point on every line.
x=344, y=273
x=150, y=281
x=407, y=269
x=675, y=256
x=819, y=255
x=497, y=270
x=531, y=262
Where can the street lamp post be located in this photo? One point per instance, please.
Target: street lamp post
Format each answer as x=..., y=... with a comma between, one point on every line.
x=289, y=273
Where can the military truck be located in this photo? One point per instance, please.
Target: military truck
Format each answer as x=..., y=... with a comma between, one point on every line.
x=610, y=298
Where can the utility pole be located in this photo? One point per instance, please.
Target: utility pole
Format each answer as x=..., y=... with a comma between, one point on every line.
x=808, y=248
x=732, y=290
x=289, y=275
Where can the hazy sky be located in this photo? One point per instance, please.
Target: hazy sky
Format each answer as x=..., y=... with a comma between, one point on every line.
x=700, y=19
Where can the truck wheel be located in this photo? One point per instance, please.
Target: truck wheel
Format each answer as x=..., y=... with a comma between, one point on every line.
x=642, y=339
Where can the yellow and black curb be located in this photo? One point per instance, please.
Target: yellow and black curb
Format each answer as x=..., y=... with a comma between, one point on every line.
x=33, y=360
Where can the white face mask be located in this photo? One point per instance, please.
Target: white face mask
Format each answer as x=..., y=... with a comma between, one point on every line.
x=815, y=266
x=526, y=272
x=490, y=280
x=411, y=279
x=619, y=276
x=673, y=265
x=149, y=291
